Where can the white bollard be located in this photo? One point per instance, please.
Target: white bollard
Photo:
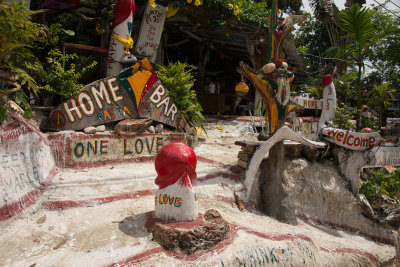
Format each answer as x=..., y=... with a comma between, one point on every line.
x=175, y=200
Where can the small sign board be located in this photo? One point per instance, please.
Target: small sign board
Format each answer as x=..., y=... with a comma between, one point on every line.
x=306, y=102
x=351, y=140
x=150, y=31
x=386, y=156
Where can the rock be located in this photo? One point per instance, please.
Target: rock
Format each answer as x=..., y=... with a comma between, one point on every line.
x=90, y=130
x=392, y=217
x=309, y=153
x=268, y=68
x=132, y=126
x=101, y=128
x=41, y=220
x=159, y=128
x=151, y=129
x=16, y=108
x=239, y=202
x=366, y=208
x=213, y=231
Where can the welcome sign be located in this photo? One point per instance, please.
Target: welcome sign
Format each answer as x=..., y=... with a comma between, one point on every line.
x=135, y=92
x=351, y=140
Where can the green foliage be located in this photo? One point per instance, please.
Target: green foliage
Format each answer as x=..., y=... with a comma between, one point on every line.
x=343, y=86
x=358, y=25
x=381, y=182
x=316, y=91
x=58, y=80
x=21, y=99
x=17, y=35
x=312, y=40
x=178, y=79
x=379, y=98
x=253, y=12
x=342, y=118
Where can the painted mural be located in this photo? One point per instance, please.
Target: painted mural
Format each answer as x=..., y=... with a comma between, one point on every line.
x=26, y=166
x=386, y=156
x=135, y=92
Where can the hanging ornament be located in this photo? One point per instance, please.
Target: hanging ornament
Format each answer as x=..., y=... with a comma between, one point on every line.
x=242, y=88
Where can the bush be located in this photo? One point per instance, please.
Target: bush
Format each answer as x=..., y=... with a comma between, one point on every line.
x=381, y=182
x=342, y=118
x=178, y=80
x=59, y=80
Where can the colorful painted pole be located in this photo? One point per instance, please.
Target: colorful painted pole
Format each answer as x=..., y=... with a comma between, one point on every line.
x=329, y=102
x=121, y=40
x=175, y=200
x=278, y=33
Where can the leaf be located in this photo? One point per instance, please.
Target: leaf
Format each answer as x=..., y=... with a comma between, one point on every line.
x=69, y=32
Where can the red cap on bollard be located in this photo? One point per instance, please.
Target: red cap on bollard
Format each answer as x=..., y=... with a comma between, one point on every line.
x=175, y=161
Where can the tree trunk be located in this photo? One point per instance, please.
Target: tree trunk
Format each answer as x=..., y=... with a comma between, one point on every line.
x=274, y=199
x=359, y=97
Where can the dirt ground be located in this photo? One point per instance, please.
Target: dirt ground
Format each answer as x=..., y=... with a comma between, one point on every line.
x=102, y=217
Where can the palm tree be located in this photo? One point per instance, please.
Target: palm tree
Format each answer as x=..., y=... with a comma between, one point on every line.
x=357, y=23
x=379, y=98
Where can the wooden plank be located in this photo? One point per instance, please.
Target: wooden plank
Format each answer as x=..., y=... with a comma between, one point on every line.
x=86, y=49
x=245, y=155
x=243, y=164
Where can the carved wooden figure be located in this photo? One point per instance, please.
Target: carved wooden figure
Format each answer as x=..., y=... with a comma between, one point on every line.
x=175, y=200
x=121, y=40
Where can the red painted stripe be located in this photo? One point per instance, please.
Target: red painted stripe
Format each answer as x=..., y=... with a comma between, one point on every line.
x=347, y=228
x=27, y=200
x=138, y=257
x=66, y=204
x=123, y=10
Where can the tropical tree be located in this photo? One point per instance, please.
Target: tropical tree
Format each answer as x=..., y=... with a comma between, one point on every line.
x=312, y=40
x=379, y=99
x=357, y=23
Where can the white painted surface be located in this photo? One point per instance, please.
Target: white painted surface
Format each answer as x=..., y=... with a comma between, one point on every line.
x=351, y=140
x=116, y=48
x=386, y=156
x=328, y=105
x=176, y=203
x=25, y=163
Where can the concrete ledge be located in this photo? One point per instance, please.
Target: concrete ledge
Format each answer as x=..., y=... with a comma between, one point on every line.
x=79, y=150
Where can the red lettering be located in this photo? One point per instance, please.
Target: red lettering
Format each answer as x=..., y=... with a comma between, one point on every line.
x=348, y=140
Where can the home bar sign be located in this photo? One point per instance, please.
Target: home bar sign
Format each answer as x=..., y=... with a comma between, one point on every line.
x=135, y=92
